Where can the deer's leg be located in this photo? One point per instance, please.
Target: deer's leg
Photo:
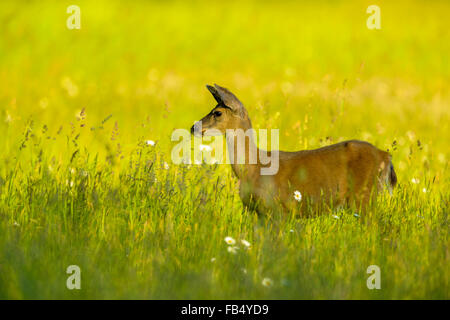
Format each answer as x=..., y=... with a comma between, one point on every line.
x=253, y=203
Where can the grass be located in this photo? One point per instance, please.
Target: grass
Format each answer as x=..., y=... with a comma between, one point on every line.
x=79, y=185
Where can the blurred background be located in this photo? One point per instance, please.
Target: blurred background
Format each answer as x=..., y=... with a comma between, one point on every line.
x=310, y=68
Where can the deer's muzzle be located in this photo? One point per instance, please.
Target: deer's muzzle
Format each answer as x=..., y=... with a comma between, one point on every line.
x=197, y=129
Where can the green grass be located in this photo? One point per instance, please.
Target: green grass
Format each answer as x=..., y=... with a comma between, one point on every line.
x=87, y=190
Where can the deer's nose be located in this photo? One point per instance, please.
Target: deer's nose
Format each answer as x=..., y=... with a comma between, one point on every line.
x=196, y=128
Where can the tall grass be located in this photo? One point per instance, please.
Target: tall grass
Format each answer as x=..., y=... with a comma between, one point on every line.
x=79, y=185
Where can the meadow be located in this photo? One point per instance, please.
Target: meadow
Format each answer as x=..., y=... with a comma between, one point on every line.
x=80, y=184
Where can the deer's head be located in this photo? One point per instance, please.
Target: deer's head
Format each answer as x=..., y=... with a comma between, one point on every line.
x=229, y=113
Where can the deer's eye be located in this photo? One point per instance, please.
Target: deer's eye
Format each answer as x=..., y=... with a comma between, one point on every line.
x=217, y=113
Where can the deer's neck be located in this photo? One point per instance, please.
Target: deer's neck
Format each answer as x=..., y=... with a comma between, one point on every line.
x=243, y=153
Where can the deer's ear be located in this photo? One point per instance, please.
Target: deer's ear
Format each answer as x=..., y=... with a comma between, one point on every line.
x=229, y=99
x=215, y=94
x=224, y=97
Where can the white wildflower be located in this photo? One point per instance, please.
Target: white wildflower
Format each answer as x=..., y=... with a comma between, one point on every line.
x=232, y=249
x=246, y=243
x=150, y=143
x=230, y=241
x=415, y=181
x=297, y=195
x=267, y=282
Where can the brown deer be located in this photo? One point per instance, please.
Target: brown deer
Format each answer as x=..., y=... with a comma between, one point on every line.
x=346, y=173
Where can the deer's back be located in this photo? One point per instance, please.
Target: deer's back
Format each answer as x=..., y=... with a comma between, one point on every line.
x=332, y=170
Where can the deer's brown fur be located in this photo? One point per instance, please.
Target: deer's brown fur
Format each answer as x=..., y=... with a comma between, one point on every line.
x=346, y=173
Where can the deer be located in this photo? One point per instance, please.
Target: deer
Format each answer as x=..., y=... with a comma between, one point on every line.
x=349, y=173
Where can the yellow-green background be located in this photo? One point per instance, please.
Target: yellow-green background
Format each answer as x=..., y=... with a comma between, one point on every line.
x=88, y=191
